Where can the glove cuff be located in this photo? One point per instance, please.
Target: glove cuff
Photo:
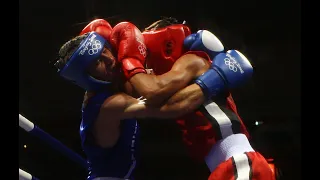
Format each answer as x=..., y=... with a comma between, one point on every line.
x=132, y=66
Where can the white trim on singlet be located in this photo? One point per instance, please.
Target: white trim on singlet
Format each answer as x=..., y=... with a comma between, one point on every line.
x=243, y=167
x=226, y=148
x=222, y=119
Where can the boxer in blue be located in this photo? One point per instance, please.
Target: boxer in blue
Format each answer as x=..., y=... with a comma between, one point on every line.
x=103, y=65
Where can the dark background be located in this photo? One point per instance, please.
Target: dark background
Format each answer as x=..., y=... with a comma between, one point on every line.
x=267, y=32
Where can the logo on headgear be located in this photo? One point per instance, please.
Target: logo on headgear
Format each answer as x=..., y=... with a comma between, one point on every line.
x=231, y=64
x=95, y=47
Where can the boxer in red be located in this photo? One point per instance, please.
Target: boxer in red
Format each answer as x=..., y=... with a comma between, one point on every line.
x=215, y=132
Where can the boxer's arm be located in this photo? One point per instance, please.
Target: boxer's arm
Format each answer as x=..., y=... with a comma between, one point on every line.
x=157, y=89
x=122, y=106
x=125, y=106
x=182, y=102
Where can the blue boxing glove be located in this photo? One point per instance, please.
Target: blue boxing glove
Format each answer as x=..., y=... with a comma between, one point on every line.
x=205, y=41
x=228, y=70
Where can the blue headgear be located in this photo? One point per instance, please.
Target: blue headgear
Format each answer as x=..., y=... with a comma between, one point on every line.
x=89, y=51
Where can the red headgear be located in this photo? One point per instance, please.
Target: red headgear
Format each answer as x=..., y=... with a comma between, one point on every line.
x=165, y=46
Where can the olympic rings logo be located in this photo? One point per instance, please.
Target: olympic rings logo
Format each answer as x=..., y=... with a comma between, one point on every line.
x=230, y=64
x=142, y=50
x=95, y=47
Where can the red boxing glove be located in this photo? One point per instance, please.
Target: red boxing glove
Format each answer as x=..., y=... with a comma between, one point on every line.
x=128, y=41
x=101, y=26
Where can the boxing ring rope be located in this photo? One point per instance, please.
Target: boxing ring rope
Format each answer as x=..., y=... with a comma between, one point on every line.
x=28, y=126
x=23, y=175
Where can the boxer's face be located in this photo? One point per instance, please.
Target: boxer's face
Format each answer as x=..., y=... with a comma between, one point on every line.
x=105, y=67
